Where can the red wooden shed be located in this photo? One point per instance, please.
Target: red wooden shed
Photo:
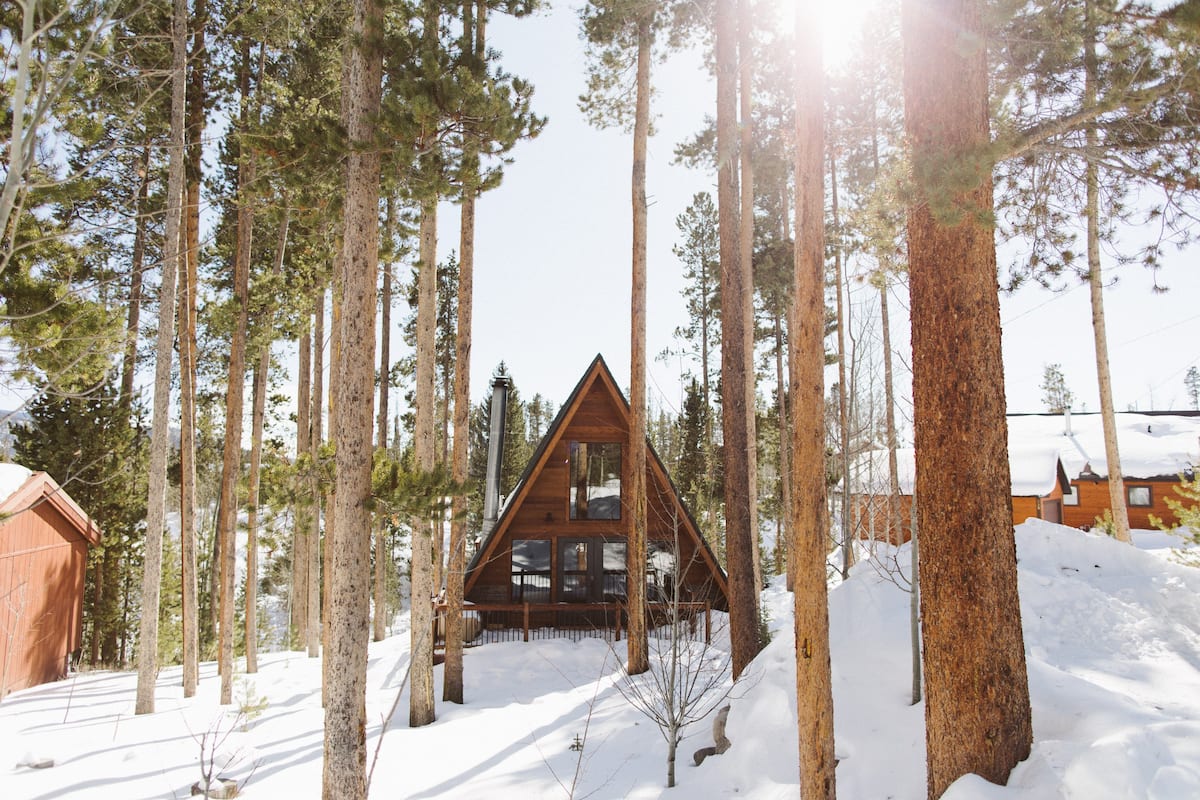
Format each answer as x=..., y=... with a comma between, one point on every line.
x=44, y=539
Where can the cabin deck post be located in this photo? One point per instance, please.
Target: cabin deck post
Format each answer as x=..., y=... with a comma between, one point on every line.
x=525, y=621
x=708, y=622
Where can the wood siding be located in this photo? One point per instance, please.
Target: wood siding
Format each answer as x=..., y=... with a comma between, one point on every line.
x=541, y=505
x=43, y=557
x=1094, y=501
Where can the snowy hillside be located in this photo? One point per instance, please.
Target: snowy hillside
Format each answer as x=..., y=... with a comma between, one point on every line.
x=1112, y=633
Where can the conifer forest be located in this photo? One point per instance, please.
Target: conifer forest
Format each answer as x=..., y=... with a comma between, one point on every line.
x=230, y=331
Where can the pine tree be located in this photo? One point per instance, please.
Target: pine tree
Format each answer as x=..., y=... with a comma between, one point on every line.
x=1055, y=395
x=806, y=366
x=977, y=715
x=344, y=776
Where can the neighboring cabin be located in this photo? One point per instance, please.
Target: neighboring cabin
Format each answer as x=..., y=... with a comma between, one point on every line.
x=1156, y=448
x=1059, y=470
x=44, y=540
x=560, y=540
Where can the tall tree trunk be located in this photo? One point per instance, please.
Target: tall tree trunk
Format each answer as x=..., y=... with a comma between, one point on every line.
x=1112, y=455
x=895, y=523
x=452, y=688
x=189, y=276
x=160, y=420
x=783, y=531
x=313, y=637
x=806, y=367
x=258, y=406
x=330, y=490
x=843, y=385
x=637, y=650
x=739, y=551
x=746, y=260
x=421, y=705
x=234, y=395
x=349, y=601
x=137, y=264
x=302, y=534
x=977, y=716
x=187, y=465
x=383, y=556
x=452, y=672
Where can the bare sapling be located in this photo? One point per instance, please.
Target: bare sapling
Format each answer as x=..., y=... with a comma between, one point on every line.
x=688, y=678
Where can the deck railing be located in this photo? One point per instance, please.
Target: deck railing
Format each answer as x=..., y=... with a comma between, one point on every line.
x=506, y=622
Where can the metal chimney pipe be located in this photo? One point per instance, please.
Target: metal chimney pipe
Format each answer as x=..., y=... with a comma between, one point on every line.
x=491, y=487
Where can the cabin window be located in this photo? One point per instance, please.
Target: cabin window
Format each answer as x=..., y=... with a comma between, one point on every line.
x=1139, y=496
x=1071, y=497
x=595, y=480
x=614, y=572
x=591, y=571
x=660, y=573
x=531, y=571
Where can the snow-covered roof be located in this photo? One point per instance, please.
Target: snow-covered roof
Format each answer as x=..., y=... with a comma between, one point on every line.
x=12, y=477
x=1150, y=445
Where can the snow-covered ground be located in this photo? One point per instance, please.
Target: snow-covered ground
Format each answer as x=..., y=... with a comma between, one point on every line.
x=1113, y=640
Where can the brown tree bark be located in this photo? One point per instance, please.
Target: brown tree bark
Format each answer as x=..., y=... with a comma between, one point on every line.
x=344, y=776
x=806, y=367
x=637, y=646
x=1108, y=417
x=302, y=535
x=746, y=258
x=844, y=391
x=739, y=552
x=977, y=716
x=452, y=686
x=421, y=698
x=157, y=481
x=258, y=407
x=313, y=638
x=474, y=37
x=383, y=560
x=136, y=266
x=234, y=397
x=189, y=278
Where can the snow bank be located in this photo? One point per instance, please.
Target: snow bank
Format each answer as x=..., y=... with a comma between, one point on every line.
x=1113, y=643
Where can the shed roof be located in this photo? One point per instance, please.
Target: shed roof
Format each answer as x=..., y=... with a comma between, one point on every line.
x=22, y=490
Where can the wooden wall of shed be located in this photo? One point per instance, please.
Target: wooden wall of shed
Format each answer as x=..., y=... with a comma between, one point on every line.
x=42, y=564
x=1094, y=501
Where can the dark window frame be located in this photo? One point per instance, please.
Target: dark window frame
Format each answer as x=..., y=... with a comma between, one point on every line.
x=594, y=582
x=520, y=579
x=1129, y=490
x=593, y=507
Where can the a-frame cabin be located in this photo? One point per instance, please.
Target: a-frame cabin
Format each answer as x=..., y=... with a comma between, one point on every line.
x=560, y=539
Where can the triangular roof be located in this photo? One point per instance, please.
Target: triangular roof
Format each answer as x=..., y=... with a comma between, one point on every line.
x=596, y=375
x=37, y=488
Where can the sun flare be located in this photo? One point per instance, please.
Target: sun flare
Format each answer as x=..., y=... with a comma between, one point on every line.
x=841, y=23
